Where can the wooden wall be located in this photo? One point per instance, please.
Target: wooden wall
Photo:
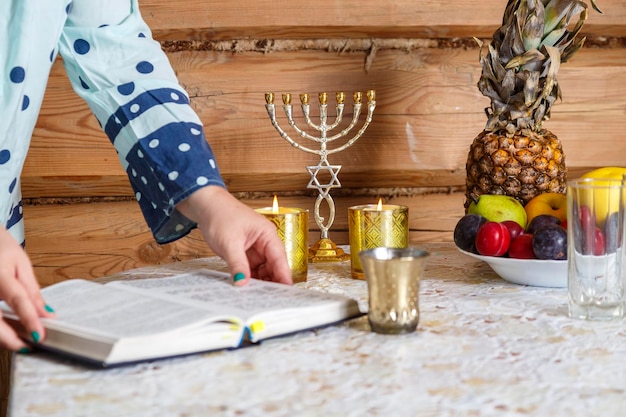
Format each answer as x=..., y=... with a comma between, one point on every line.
x=82, y=220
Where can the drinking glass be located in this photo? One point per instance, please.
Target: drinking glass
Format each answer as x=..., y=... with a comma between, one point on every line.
x=595, y=225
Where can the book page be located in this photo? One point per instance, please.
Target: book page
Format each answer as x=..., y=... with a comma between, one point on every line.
x=215, y=288
x=95, y=308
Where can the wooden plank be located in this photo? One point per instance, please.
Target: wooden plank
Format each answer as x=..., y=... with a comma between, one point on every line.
x=238, y=182
x=95, y=239
x=98, y=239
x=428, y=112
x=200, y=19
x=266, y=183
x=77, y=186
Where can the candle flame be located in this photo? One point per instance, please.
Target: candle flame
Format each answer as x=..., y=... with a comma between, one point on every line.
x=379, y=207
x=275, y=205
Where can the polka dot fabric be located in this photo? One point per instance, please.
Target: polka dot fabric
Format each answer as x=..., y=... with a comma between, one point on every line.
x=174, y=149
x=24, y=76
x=122, y=73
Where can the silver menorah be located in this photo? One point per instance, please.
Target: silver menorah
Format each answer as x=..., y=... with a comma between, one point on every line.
x=325, y=249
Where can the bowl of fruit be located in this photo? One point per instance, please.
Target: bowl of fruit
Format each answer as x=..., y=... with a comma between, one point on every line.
x=524, y=245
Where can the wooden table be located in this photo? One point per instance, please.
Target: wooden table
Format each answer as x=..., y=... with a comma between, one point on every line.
x=483, y=347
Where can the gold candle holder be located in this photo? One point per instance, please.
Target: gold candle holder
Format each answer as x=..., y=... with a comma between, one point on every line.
x=393, y=284
x=292, y=225
x=376, y=225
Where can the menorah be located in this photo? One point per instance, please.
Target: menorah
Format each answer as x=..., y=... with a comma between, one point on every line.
x=325, y=249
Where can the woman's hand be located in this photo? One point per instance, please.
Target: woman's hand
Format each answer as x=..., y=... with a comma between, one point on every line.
x=20, y=290
x=246, y=240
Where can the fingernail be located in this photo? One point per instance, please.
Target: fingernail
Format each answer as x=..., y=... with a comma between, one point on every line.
x=35, y=336
x=49, y=309
x=24, y=350
x=238, y=277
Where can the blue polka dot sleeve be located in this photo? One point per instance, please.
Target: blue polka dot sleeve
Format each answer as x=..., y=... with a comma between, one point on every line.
x=130, y=86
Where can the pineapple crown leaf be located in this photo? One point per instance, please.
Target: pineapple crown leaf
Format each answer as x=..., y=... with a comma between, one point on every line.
x=558, y=13
x=595, y=7
x=519, y=71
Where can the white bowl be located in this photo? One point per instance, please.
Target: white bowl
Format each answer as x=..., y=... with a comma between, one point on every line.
x=534, y=272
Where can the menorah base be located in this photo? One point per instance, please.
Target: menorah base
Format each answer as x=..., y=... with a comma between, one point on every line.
x=325, y=250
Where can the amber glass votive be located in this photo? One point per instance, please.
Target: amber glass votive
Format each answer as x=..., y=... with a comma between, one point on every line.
x=292, y=225
x=373, y=226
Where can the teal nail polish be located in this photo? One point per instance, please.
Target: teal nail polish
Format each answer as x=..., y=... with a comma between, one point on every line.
x=35, y=336
x=238, y=277
x=49, y=309
x=24, y=350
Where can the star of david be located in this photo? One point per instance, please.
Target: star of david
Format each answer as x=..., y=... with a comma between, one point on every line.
x=333, y=170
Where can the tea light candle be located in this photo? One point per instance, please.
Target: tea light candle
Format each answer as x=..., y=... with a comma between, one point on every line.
x=376, y=225
x=292, y=225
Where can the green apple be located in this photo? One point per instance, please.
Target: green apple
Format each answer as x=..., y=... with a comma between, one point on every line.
x=498, y=208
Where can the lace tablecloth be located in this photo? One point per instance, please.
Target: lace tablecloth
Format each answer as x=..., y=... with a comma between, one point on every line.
x=484, y=347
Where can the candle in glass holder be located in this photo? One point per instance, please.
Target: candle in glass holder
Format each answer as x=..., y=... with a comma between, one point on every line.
x=292, y=225
x=376, y=225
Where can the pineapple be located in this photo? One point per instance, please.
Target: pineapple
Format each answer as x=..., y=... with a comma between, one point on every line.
x=514, y=155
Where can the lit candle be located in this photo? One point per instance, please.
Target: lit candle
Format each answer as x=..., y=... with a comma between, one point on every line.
x=376, y=225
x=292, y=225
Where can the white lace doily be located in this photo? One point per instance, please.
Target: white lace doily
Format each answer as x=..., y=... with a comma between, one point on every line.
x=484, y=347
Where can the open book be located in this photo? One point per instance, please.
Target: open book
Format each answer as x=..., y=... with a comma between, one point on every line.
x=129, y=321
